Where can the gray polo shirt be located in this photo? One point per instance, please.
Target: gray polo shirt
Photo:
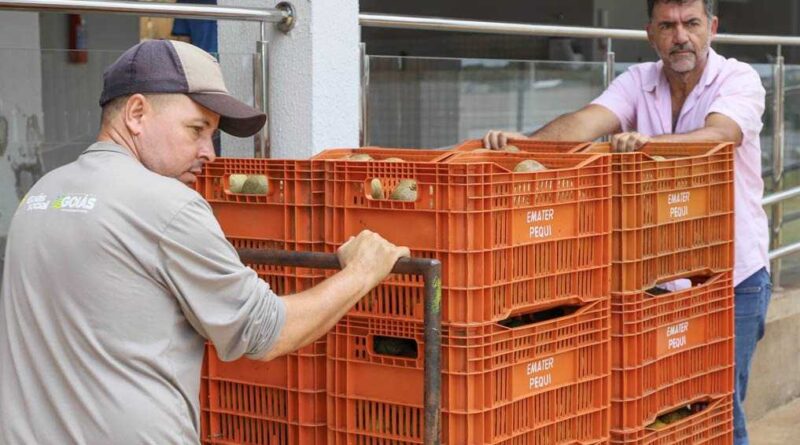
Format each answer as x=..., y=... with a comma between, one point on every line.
x=114, y=275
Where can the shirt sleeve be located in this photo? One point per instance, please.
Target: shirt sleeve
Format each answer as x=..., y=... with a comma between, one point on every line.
x=618, y=99
x=741, y=97
x=223, y=299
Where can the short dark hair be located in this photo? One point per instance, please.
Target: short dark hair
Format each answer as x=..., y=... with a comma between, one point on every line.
x=709, y=6
x=115, y=105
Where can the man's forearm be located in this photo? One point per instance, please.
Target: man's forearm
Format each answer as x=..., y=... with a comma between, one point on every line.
x=584, y=125
x=313, y=312
x=701, y=135
x=563, y=128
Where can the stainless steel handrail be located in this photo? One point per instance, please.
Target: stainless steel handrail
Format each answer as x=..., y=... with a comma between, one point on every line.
x=784, y=251
x=780, y=196
x=282, y=15
x=374, y=20
x=274, y=15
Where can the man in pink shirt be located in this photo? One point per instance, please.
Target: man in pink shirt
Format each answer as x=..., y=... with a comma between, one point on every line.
x=691, y=94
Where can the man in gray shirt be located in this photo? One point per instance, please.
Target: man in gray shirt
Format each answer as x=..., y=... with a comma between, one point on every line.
x=116, y=272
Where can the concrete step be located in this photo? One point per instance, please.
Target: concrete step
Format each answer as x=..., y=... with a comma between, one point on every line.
x=778, y=427
x=775, y=371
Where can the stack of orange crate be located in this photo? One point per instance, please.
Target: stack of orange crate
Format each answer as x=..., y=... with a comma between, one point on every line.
x=525, y=308
x=672, y=218
x=281, y=401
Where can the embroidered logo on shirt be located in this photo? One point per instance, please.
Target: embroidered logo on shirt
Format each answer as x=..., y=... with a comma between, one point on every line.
x=75, y=203
x=36, y=202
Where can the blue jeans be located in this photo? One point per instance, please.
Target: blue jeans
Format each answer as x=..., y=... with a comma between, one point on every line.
x=751, y=301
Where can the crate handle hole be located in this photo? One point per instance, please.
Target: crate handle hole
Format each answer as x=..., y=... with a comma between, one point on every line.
x=395, y=346
x=516, y=321
x=273, y=185
x=386, y=189
x=677, y=415
x=677, y=285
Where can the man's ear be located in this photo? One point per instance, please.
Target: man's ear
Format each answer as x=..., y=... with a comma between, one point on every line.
x=714, y=28
x=136, y=110
x=648, y=27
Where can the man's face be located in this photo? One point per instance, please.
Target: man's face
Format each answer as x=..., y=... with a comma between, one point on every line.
x=176, y=138
x=681, y=33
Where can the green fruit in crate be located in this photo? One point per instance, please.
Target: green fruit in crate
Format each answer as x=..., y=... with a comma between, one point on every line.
x=393, y=159
x=676, y=416
x=482, y=150
x=236, y=181
x=406, y=190
x=256, y=185
x=528, y=166
x=359, y=157
x=658, y=158
x=657, y=425
x=376, y=188
x=510, y=149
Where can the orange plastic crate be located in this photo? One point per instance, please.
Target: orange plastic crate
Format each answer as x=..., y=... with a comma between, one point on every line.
x=529, y=146
x=280, y=401
x=711, y=426
x=379, y=154
x=541, y=383
x=670, y=349
x=292, y=210
x=204, y=420
x=672, y=218
x=508, y=241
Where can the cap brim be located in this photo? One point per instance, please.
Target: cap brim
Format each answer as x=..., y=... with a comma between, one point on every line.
x=236, y=117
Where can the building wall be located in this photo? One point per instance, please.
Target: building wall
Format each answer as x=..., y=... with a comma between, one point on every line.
x=70, y=91
x=20, y=103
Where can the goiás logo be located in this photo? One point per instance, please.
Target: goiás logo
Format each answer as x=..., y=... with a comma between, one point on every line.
x=80, y=202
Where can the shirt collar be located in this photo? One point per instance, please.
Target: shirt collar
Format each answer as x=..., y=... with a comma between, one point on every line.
x=109, y=147
x=710, y=73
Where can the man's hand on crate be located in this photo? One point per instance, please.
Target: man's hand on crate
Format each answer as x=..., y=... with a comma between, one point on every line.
x=371, y=255
x=497, y=139
x=627, y=142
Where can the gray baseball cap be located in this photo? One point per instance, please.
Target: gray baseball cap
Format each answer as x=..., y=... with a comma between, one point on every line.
x=168, y=66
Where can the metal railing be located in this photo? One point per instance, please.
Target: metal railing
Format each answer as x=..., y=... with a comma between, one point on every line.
x=188, y=11
x=373, y=20
x=474, y=26
x=283, y=16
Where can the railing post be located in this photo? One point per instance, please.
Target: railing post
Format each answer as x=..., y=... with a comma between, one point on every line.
x=777, y=161
x=610, y=62
x=610, y=70
x=261, y=142
x=363, y=134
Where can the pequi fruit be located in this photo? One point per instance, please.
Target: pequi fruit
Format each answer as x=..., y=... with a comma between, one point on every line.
x=676, y=416
x=658, y=158
x=393, y=159
x=236, y=181
x=406, y=190
x=510, y=149
x=657, y=425
x=376, y=188
x=482, y=150
x=256, y=185
x=359, y=157
x=529, y=165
